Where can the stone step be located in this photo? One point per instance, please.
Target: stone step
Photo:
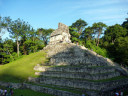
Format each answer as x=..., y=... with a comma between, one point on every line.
x=83, y=84
x=75, y=61
x=80, y=75
x=68, y=89
x=91, y=70
x=72, y=54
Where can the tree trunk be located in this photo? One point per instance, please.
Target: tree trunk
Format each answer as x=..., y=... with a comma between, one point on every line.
x=98, y=37
x=2, y=59
x=17, y=47
x=24, y=47
x=113, y=40
x=34, y=50
x=98, y=41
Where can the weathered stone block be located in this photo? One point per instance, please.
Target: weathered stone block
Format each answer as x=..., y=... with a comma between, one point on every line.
x=60, y=35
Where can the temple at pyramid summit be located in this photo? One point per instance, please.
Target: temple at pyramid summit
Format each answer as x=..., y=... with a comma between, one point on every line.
x=77, y=70
x=60, y=35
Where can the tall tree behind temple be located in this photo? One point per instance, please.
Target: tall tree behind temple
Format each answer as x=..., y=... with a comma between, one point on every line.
x=32, y=42
x=121, y=48
x=74, y=35
x=44, y=34
x=125, y=23
x=88, y=33
x=98, y=30
x=76, y=30
x=79, y=25
x=114, y=32
x=115, y=41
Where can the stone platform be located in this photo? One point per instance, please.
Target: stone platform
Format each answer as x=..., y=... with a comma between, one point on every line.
x=74, y=66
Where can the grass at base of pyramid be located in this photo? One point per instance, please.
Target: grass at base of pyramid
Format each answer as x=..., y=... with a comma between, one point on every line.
x=21, y=69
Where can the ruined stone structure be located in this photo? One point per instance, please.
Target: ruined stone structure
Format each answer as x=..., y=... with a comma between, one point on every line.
x=38, y=88
x=75, y=67
x=60, y=35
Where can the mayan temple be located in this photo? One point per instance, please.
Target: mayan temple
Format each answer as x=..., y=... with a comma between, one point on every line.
x=77, y=69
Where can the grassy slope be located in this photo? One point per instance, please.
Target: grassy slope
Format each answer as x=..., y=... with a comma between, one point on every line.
x=21, y=69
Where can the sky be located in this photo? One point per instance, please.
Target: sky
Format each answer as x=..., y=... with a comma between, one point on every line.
x=48, y=13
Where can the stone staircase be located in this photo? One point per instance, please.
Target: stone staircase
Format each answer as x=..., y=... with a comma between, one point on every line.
x=87, y=73
x=79, y=77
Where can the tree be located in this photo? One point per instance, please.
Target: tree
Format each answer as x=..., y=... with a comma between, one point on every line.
x=31, y=42
x=114, y=32
x=25, y=31
x=4, y=23
x=98, y=30
x=6, y=51
x=115, y=41
x=121, y=47
x=44, y=34
x=76, y=30
x=125, y=25
x=1, y=28
x=79, y=25
x=74, y=35
x=15, y=30
x=88, y=33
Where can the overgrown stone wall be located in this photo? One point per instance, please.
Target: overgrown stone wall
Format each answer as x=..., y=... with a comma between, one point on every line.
x=80, y=83
x=76, y=69
x=38, y=88
x=80, y=75
x=78, y=72
x=71, y=54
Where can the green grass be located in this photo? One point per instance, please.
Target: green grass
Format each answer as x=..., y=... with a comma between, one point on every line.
x=21, y=69
x=26, y=92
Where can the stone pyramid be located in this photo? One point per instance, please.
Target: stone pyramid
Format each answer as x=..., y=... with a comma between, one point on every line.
x=77, y=68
